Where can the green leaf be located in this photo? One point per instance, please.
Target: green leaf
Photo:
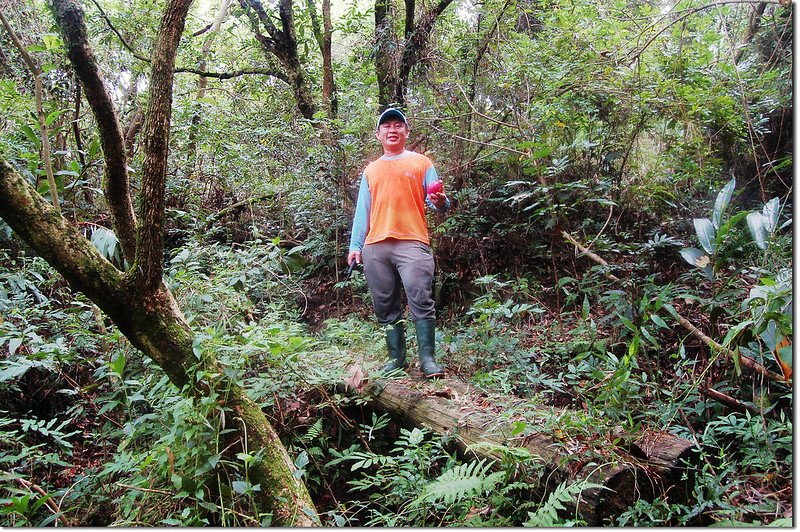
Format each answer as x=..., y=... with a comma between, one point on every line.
x=723, y=198
x=782, y=522
x=735, y=219
x=755, y=222
x=52, y=116
x=706, y=234
x=118, y=365
x=628, y=323
x=13, y=345
x=649, y=337
x=771, y=211
x=416, y=437
x=695, y=257
x=240, y=486
x=658, y=321
x=785, y=355
x=459, y=483
x=518, y=428
x=33, y=137
x=106, y=242
x=734, y=331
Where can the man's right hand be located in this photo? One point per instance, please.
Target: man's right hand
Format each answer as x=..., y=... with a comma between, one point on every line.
x=354, y=257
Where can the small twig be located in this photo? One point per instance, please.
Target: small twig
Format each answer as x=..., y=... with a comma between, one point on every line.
x=634, y=55
x=125, y=43
x=727, y=400
x=610, y=213
x=481, y=143
x=145, y=490
x=595, y=258
x=746, y=361
x=49, y=502
x=218, y=75
x=40, y=118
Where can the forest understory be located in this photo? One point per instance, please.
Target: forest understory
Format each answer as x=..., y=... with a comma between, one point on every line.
x=180, y=343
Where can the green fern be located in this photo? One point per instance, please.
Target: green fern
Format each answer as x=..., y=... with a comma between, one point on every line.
x=547, y=514
x=313, y=432
x=462, y=482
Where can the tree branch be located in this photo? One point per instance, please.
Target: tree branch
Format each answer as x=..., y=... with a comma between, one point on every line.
x=283, y=45
x=727, y=400
x=69, y=17
x=148, y=266
x=256, y=13
x=199, y=71
x=235, y=74
x=415, y=44
x=124, y=42
x=635, y=54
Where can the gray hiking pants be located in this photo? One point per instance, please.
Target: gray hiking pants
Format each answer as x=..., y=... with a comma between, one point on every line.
x=390, y=263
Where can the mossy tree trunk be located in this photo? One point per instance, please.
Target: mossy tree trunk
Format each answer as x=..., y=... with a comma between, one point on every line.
x=137, y=300
x=397, y=54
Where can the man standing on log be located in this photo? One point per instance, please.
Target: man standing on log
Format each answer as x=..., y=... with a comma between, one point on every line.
x=390, y=236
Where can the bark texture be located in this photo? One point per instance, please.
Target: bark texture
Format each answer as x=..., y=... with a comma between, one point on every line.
x=154, y=324
x=148, y=266
x=116, y=185
x=281, y=42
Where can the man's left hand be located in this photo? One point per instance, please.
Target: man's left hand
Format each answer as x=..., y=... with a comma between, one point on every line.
x=439, y=199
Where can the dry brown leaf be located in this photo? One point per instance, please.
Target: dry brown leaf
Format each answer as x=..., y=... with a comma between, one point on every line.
x=357, y=378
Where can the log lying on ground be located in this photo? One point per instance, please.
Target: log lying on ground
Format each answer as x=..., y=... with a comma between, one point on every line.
x=643, y=466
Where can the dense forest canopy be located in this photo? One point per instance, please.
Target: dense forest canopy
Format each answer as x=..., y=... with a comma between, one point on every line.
x=180, y=343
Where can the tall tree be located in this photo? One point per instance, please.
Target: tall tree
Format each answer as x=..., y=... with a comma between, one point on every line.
x=137, y=300
x=280, y=41
x=399, y=50
x=324, y=36
x=202, y=84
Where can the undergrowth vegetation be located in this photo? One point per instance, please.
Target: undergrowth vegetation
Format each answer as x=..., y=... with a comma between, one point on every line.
x=617, y=261
x=93, y=433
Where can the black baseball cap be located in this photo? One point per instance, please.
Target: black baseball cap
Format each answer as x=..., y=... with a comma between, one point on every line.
x=391, y=113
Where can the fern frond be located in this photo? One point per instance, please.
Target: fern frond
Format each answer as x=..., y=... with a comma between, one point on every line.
x=462, y=482
x=515, y=454
x=313, y=432
x=547, y=514
x=519, y=485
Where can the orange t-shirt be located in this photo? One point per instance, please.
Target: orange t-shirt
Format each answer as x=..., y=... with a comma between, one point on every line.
x=397, y=188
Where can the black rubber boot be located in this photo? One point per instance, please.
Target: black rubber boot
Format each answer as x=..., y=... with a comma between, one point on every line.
x=426, y=340
x=396, y=346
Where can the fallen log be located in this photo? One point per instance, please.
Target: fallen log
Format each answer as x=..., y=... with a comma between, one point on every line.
x=642, y=466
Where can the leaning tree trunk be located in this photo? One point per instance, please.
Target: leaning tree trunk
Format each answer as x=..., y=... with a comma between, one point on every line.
x=138, y=301
x=155, y=325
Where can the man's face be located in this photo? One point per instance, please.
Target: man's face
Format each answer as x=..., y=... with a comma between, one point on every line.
x=393, y=134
